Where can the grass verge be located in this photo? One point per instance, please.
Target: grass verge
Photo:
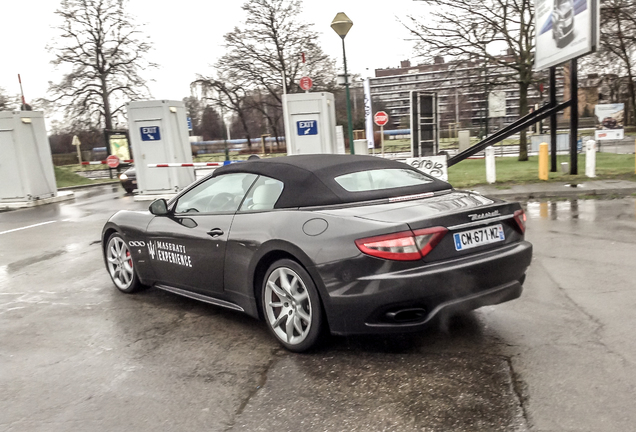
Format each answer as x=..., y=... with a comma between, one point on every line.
x=472, y=172
x=65, y=177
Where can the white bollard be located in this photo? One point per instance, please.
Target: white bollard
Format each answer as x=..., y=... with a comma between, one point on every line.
x=590, y=158
x=491, y=175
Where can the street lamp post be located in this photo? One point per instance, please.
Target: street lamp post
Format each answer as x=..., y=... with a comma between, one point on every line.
x=341, y=25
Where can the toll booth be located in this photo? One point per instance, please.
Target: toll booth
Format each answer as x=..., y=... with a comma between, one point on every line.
x=26, y=165
x=424, y=124
x=158, y=132
x=310, y=123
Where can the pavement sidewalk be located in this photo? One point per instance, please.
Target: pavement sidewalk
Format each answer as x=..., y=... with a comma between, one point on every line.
x=559, y=189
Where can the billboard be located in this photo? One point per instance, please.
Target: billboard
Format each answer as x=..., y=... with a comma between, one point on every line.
x=368, y=114
x=565, y=29
x=118, y=144
x=609, y=121
x=496, y=104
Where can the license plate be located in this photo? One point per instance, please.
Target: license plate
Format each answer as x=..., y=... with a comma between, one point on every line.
x=478, y=237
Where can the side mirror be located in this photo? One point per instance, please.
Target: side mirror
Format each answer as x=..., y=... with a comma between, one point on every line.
x=159, y=207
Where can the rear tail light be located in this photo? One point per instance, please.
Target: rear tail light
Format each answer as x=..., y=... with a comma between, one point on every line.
x=427, y=239
x=402, y=246
x=520, y=218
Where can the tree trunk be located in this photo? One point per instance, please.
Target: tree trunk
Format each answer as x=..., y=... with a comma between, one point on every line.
x=632, y=98
x=523, y=110
x=246, y=129
x=108, y=118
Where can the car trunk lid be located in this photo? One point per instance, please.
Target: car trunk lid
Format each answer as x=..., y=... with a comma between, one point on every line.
x=481, y=223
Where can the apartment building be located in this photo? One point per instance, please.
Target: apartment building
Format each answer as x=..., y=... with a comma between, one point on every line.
x=462, y=88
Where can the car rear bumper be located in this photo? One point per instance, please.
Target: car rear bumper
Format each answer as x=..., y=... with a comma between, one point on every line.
x=408, y=300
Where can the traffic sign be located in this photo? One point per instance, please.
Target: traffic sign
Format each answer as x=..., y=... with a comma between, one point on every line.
x=150, y=133
x=307, y=127
x=112, y=161
x=189, y=123
x=381, y=118
x=306, y=83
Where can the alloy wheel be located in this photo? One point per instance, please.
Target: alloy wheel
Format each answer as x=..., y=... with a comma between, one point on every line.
x=288, y=306
x=120, y=264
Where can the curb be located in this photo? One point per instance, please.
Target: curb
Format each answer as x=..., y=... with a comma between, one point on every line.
x=574, y=192
x=86, y=186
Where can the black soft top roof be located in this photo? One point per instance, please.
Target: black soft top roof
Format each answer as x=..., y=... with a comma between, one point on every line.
x=309, y=179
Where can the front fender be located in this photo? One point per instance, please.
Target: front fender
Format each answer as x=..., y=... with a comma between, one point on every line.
x=132, y=227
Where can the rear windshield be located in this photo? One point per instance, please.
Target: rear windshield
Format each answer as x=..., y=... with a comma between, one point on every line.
x=379, y=179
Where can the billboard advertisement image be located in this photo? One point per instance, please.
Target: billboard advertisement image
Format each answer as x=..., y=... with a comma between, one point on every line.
x=565, y=29
x=118, y=143
x=609, y=121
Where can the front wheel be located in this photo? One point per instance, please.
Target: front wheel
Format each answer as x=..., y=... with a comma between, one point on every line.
x=291, y=305
x=120, y=265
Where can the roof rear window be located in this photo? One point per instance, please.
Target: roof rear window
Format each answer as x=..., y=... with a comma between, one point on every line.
x=380, y=179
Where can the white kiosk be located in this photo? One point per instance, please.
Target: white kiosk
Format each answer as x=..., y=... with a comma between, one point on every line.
x=27, y=176
x=310, y=123
x=159, y=134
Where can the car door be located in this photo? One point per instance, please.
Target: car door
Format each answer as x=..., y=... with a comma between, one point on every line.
x=187, y=247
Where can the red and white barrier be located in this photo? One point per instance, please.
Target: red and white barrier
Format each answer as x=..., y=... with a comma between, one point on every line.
x=104, y=162
x=194, y=164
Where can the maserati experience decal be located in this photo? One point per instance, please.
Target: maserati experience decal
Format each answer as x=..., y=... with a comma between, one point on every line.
x=169, y=252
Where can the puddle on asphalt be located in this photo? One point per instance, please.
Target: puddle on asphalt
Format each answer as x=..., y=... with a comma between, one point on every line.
x=585, y=210
x=4, y=275
x=19, y=265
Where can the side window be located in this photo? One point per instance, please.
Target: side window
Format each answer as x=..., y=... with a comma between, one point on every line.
x=263, y=195
x=218, y=194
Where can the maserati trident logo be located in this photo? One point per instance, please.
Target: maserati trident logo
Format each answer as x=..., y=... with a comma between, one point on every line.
x=151, y=249
x=479, y=216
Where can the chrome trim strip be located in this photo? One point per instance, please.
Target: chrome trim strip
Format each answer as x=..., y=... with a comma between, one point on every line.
x=481, y=222
x=200, y=297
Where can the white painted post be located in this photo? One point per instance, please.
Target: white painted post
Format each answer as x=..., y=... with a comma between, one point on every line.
x=590, y=158
x=491, y=175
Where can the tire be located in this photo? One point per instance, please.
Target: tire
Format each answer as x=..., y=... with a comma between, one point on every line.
x=119, y=264
x=291, y=306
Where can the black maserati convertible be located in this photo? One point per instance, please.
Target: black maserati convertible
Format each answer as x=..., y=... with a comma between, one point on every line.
x=339, y=243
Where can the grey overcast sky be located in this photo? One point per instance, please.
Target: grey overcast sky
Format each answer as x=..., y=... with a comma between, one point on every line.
x=188, y=37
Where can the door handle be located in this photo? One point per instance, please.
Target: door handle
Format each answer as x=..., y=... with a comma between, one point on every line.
x=215, y=232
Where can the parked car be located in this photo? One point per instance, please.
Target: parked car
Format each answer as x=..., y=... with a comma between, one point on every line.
x=563, y=22
x=129, y=180
x=341, y=243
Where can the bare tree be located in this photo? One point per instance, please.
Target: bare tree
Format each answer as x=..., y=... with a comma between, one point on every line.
x=269, y=49
x=105, y=52
x=266, y=57
x=206, y=121
x=5, y=101
x=618, y=43
x=463, y=29
x=229, y=97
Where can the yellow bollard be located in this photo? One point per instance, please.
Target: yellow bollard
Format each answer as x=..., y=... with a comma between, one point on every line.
x=543, y=161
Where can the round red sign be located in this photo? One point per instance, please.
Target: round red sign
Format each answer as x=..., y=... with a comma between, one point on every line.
x=112, y=161
x=381, y=118
x=306, y=83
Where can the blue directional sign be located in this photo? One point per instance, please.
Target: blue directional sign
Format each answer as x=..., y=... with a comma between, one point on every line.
x=307, y=127
x=189, y=123
x=150, y=133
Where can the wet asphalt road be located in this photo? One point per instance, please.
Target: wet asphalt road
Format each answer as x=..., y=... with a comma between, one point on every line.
x=75, y=354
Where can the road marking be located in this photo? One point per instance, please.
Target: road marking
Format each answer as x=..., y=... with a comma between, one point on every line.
x=26, y=227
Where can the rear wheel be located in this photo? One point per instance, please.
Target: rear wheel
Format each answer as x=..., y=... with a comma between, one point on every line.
x=120, y=265
x=291, y=305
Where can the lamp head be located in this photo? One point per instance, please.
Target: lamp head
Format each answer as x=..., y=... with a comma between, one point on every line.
x=341, y=24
